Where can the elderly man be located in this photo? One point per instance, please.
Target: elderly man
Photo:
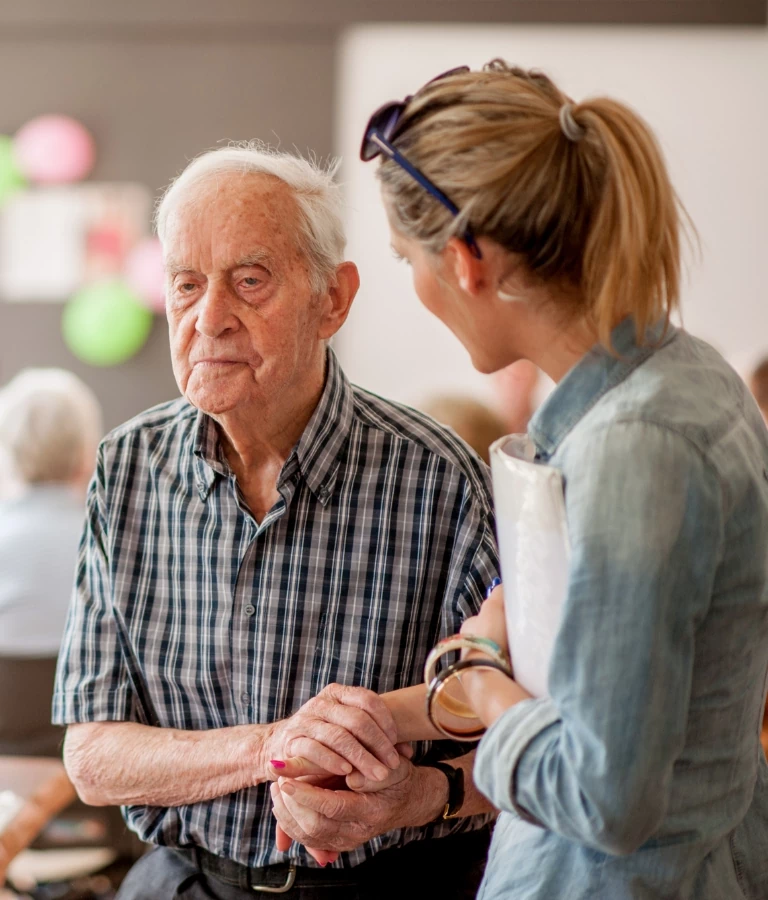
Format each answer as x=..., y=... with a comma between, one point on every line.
x=259, y=558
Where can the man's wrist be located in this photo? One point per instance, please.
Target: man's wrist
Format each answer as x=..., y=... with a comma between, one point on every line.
x=260, y=741
x=435, y=791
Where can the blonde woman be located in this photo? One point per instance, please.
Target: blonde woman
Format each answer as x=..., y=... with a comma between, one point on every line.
x=542, y=229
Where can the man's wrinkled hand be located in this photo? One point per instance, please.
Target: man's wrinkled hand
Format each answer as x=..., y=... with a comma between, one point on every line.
x=340, y=730
x=338, y=820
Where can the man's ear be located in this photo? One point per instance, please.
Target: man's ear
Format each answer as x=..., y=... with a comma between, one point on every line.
x=338, y=300
x=468, y=271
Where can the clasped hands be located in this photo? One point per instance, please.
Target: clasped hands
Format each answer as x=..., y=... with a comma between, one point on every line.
x=339, y=775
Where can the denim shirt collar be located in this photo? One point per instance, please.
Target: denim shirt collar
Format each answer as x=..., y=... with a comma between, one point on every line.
x=590, y=379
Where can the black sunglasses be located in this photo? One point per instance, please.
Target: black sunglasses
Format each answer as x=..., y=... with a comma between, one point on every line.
x=377, y=139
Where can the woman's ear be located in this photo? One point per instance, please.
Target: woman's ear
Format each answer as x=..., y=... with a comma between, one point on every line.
x=467, y=270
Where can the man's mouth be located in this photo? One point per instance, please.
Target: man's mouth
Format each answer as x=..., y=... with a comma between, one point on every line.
x=212, y=363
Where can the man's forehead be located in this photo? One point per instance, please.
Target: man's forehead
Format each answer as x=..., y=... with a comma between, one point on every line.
x=237, y=193
x=243, y=221
x=258, y=256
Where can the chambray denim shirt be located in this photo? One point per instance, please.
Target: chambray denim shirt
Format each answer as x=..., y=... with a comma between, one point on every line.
x=641, y=776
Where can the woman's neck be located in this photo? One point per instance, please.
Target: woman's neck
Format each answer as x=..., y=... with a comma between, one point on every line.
x=549, y=340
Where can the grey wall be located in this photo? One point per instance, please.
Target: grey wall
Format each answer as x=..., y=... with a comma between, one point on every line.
x=157, y=81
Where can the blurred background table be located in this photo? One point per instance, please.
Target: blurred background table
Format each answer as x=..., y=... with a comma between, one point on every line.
x=34, y=790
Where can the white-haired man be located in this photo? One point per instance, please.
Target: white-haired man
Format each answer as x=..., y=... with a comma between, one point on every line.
x=259, y=558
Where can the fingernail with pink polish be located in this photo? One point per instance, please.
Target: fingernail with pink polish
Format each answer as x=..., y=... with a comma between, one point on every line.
x=277, y=763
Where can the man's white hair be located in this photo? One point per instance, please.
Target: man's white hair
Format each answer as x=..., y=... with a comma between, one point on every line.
x=318, y=196
x=50, y=426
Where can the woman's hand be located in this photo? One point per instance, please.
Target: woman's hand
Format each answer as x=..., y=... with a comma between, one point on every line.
x=490, y=622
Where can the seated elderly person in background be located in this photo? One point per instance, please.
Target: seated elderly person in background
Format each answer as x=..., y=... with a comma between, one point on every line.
x=260, y=557
x=50, y=425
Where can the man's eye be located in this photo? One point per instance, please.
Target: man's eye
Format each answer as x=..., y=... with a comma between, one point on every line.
x=251, y=281
x=188, y=287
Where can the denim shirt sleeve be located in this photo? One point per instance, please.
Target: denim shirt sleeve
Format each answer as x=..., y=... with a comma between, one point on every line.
x=594, y=761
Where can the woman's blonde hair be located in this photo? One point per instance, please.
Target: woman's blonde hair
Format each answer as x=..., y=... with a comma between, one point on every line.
x=596, y=215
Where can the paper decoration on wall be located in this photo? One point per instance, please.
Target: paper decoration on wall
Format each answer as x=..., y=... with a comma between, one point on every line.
x=11, y=179
x=54, y=150
x=55, y=240
x=87, y=244
x=106, y=323
x=145, y=273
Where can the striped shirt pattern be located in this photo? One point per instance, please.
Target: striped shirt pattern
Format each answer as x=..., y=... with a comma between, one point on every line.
x=187, y=613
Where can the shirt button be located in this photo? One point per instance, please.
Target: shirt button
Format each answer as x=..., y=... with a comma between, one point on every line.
x=249, y=610
x=246, y=698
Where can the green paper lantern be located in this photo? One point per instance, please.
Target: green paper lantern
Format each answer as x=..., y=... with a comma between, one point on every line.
x=105, y=324
x=11, y=179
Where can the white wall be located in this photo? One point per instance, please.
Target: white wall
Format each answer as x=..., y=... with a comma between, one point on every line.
x=704, y=91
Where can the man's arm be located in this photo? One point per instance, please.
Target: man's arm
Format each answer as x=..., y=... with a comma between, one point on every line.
x=125, y=763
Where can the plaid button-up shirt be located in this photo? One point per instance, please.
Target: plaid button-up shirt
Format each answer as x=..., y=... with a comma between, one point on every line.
x=189, y=614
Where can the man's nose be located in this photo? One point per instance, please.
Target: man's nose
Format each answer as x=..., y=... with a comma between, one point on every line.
x=215, y=312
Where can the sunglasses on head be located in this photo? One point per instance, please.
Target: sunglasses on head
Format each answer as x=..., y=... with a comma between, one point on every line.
x=377, y=139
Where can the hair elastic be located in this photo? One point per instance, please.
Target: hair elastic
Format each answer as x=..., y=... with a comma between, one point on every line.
x=570, y=127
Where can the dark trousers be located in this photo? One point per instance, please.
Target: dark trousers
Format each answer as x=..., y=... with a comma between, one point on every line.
x=450, y=868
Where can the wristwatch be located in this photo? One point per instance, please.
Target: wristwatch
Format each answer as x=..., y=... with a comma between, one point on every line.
x=455, y=777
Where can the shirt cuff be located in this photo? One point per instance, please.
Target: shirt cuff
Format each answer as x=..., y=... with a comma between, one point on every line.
x=85, y=705
x=502, y=747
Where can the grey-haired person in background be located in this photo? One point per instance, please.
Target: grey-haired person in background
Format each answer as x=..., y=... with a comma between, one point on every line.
x=50, y=426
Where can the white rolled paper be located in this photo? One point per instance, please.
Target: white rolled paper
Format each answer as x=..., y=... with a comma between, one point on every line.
x=534, y=551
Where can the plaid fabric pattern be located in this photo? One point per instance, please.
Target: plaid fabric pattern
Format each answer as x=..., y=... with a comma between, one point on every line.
x=187, y=613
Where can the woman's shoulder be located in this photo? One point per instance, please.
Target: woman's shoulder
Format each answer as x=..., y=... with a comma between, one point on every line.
x=683, y=411
x=685, y=389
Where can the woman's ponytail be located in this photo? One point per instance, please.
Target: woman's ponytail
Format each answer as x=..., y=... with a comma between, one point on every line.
x=632, y=254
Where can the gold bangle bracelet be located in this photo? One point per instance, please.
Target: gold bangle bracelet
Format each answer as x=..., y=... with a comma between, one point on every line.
x=437, y=685
x=462, y=642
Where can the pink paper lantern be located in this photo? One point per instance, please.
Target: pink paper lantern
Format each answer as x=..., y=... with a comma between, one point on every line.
x=145, y=273
x=54, y=150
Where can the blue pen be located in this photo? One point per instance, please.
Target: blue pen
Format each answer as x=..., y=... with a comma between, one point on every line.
x=492, y=586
